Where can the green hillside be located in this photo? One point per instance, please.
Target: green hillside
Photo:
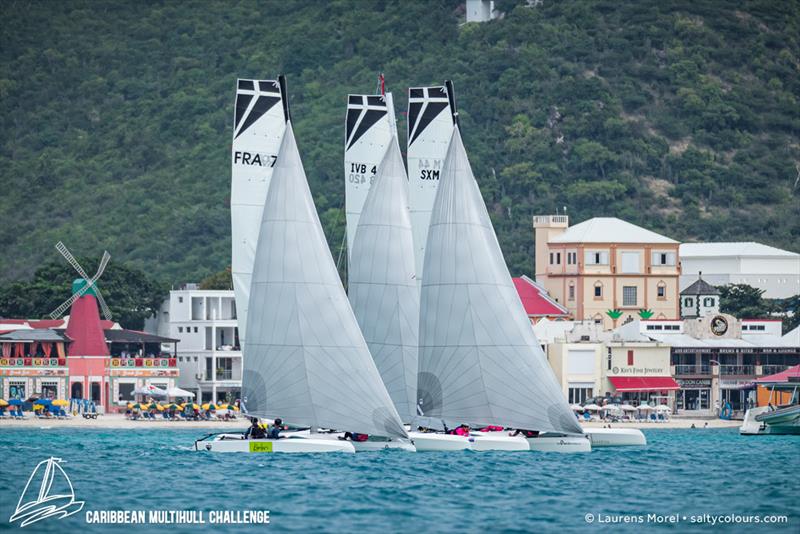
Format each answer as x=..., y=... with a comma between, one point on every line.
x=116, y=117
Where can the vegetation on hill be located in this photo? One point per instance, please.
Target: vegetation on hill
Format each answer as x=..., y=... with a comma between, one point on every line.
x=680, y=116
x=131, y=295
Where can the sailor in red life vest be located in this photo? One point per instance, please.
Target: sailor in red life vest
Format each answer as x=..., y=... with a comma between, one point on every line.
x=354, y=436
x=526, y=433
x=462, y=430
x=492, y=428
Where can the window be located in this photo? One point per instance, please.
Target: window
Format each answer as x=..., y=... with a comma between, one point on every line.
x=630, y=357
x=661, y=291
x=125, y=392
x=688, y=302
x=180, y=330
x=578, y=395
x=708, y=302
x=195, y=329
x=572, y=291
x=629, y=296
x=596, y=257
x=663, y=258
x=608, y=359
x=572, y=258
x=671, y=327
x=598, y=290
x=180, y=299
x=552, y=257
x=558, y=258
x=630, y=262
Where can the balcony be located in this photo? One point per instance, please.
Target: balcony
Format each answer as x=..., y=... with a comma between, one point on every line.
x=692, y=370
x=738, y=370
x=772, y=369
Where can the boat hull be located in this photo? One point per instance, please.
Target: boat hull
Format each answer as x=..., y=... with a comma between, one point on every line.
x=615, y=437
x=433, y=442
x=289, y=445
x=562, y=444
x=760, y=421
x=497, y=441
x=372, y=445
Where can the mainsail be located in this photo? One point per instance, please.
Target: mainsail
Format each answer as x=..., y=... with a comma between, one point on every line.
x=369, y=129
x=479, y=359
x=305, y=359
x=383, y=289
x=431, y=117
x=259, y=122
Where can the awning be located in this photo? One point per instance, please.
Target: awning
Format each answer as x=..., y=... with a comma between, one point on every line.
x=783, y=376
x=644, y=383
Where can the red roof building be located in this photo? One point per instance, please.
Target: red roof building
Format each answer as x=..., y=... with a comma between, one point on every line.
x=537, y=302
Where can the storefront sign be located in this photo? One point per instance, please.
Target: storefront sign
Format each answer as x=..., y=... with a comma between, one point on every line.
x=735, y=384
x=638, y=371
x=33, y=372
x=142, y=372
x=692, y=383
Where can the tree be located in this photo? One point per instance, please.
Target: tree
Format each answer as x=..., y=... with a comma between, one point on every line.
x=130, y=294
x=220, y=280
x=744, y=301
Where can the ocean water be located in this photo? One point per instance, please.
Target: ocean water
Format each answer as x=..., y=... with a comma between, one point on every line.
x=683, y=472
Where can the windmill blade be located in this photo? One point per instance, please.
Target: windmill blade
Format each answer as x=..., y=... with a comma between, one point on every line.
x=103, y=262
x=55, y=314
x=62, y=248
x=103, y=306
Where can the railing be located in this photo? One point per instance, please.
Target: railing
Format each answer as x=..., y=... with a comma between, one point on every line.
x=737, y=369
x=225, y=375
x=143, y=362
x=771, y=369
x=692, y=370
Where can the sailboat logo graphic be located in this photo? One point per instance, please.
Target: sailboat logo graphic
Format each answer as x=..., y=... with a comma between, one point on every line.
x=53, y=497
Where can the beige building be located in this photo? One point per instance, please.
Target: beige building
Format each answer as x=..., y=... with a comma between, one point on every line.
x=607, y=265
x=590, y=363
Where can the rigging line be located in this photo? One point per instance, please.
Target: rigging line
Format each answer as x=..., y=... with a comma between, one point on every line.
x=342, y=248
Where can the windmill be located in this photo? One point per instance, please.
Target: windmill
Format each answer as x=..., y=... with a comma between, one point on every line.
x=90, y=282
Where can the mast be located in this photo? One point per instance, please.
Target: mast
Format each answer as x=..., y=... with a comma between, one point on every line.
x=260, y=115
x=369, y=129
x=306, y=359
x=479, y=359
x=383, y=288
x=431, y=118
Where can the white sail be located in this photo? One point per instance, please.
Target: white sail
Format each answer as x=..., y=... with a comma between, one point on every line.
x=305, y=359
x=383, y=289
x=369, y=128
x=430, y=125
x=479, y=359
x=259, y=123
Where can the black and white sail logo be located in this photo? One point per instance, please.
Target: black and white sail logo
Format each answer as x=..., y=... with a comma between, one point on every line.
x=48, y=494
x=253, y=99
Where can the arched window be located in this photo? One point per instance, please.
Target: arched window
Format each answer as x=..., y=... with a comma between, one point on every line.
x=598, y=319
x=661, y=290
x=708, y=302
x=598, y=290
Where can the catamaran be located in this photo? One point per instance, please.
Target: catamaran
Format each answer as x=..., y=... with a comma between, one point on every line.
x=259, y=122
x=479, y=360
x=306, y=359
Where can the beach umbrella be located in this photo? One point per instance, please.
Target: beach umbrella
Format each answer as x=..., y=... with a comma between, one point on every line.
x=137, y=406
x=592, y=407
x=130, y=405
x=43, y=402
x=646, y=407
x=178, y=392
x=663, y=408
x=151, y=390
x=628, y=408
x=14, y=402
x=60, y=402
x=576, y=408
x=3, y=402
x=209, y=406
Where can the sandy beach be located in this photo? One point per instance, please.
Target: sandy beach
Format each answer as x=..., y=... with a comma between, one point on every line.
x=118, y=421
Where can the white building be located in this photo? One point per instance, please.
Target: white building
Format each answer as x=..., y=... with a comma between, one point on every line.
x=209, y=356
x=775, y=271
x=480, y=10
x=699, y=299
